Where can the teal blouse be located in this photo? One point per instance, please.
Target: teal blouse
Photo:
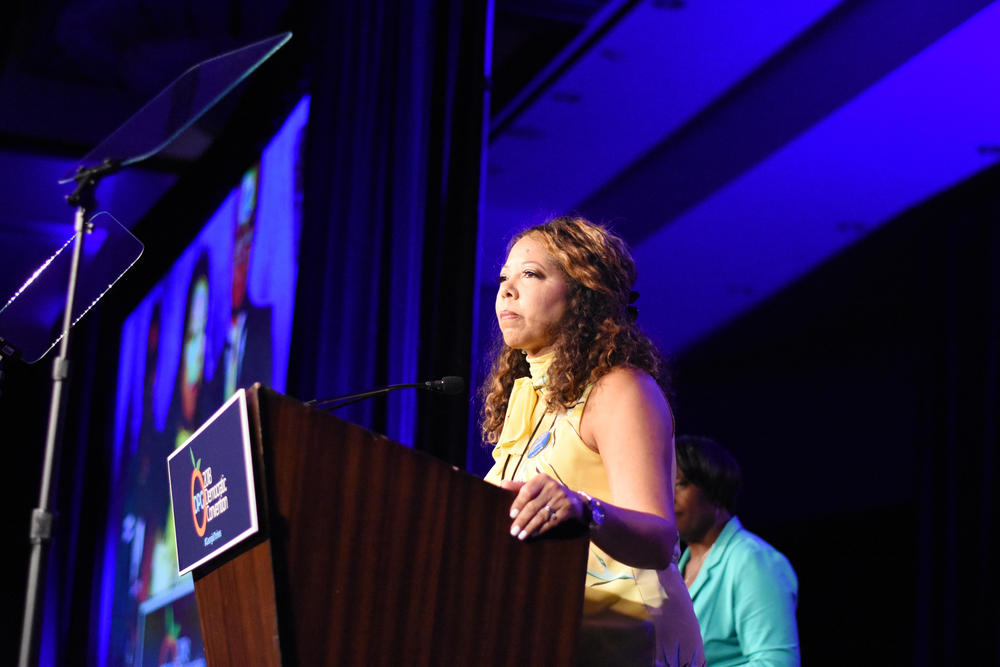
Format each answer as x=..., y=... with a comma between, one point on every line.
x=745, y=597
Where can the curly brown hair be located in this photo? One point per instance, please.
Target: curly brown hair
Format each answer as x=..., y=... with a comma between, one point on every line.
x=598, y=331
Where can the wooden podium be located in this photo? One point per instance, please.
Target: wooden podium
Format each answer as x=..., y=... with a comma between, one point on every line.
x=373, y=554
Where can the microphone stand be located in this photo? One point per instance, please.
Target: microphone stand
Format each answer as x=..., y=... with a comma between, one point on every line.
x=342, y=401
x=447, y=385
x=40, y=534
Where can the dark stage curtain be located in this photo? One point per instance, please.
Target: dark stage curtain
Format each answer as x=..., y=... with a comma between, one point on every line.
x=957, y=618
x=391, y=198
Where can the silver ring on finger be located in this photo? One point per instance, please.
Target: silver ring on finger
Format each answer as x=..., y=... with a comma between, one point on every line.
x=552, y=513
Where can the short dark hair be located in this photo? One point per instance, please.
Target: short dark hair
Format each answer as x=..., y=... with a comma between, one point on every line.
x=709, y=466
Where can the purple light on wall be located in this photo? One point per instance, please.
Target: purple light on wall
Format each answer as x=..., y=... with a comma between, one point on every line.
x=915, y=133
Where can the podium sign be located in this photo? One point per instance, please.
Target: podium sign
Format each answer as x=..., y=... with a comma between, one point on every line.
x=211, y=486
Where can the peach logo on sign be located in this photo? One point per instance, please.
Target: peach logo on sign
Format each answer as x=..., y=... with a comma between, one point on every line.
x=209, y=498
x=199, y=499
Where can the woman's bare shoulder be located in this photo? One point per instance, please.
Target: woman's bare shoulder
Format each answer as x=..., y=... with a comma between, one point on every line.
x=625, y=383
x=623, y=395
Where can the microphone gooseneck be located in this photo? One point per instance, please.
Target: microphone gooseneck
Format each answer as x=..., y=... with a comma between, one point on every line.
x=450, y=384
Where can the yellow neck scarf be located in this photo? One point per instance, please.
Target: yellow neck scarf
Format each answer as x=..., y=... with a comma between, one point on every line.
x=524, y=399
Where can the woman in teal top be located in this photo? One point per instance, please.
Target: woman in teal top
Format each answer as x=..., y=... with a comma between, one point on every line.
x=744, y=590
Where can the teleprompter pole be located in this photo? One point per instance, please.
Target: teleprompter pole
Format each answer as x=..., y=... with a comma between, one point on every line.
x=40, y=534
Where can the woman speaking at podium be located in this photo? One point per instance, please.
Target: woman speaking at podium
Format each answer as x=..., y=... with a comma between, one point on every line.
x=583, y=432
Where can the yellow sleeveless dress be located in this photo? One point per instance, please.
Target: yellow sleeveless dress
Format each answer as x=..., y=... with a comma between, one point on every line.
x=630, y=616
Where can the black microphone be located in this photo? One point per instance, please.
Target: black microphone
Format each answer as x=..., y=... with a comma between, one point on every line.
x=450, y=384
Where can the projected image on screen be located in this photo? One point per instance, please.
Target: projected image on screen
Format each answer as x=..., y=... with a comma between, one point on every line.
x=218, y=321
